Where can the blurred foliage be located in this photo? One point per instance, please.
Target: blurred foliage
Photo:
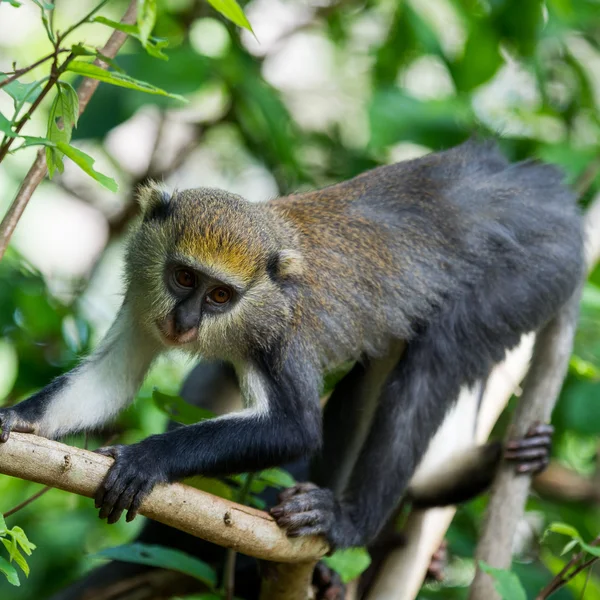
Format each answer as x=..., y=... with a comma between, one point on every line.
x=403, y=78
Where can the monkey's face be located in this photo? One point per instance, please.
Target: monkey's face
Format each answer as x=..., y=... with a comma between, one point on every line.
x=200, y=269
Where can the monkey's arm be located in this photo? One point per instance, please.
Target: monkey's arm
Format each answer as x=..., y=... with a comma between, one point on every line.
x=92, y=392
x=282, y=423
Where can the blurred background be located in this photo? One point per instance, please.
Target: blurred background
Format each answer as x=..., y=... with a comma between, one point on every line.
x=324, y=90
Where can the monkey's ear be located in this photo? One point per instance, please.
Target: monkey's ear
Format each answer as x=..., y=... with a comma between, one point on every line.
x=286, y=263
x=155, y=201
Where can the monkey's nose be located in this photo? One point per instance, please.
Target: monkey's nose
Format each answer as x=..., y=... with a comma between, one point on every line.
x=175, y=332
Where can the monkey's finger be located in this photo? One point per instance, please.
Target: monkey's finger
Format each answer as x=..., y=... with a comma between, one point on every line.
x=123, y=503
x=526, y=455
x=540, y=429
x=109, y=481
x=299, y=488
x=137, y=501
x=538, y=440
x=296, y=521
x=6, y=422
x=310, y=530
x=112, y=495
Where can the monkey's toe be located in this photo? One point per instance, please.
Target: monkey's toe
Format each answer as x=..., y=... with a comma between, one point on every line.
x=439, y=561
x=305, y=509
x=327, y=583
x=531, y=453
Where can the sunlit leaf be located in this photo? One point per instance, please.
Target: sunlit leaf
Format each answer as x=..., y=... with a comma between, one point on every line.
x=348, y=563
x=276, y=477
x=146, y=18
x=154, y=46
x=119, y=79
x=9, y=571
x=564, y=529
x=15, y=554
x=159, y=556
x=85, y=162
x=231, y=10
x=62, y=118
x=16, y=4
x=507, y=584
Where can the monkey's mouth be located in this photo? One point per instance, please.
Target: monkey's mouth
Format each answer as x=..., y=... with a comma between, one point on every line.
x=172, y=335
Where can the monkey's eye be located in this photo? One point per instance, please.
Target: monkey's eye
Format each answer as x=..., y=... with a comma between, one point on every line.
x=185, y=278
x=219, y=295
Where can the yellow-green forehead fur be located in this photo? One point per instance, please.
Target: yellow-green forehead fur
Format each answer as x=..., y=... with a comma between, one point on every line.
x=218, y=230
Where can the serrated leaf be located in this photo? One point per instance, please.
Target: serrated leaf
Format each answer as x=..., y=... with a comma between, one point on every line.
x=119, y=79
x=14, y=554
x=348, y=563
x=5, y=127
x=146, y=19
x=22, y=92
x=231, y=10
x=85, y=162
x=10, y=572
x=154, y=45
x=179, y=410
x=277, y=478
x=166, y=558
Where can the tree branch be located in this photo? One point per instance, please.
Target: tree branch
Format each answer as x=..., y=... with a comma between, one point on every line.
x=214, y=519
x=37, y=171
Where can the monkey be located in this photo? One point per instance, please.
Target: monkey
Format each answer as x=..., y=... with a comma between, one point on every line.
x=422, y=274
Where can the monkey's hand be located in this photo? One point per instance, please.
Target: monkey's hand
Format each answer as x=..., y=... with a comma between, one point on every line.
x=12, y=419
x=307, y=509
x=135, y=472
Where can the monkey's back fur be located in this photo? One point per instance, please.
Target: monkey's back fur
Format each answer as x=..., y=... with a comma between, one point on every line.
x=445, y=233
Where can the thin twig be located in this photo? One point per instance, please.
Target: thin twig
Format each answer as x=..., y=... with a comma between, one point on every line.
x=19, y=72
x=37, y=171
x=26, y=502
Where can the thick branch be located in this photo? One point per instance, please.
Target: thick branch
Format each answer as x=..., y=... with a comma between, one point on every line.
x=225, y=523
x=37, y=171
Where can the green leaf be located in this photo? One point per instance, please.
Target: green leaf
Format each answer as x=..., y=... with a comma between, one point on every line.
x=166, y=558
x=6, y=127
x=82, y=50
x=593, y=550
x=507, y=584
x=10, y=572
x=119, y=79
x=13, y=551
x=146, y=18
x=16, y=4
x=179, y=410
x=44, y=5
x=62, y=118
x=348, y=563
x=211, y=486
x=277, y=478
x=231, y=10
x=154, y=46
x=564, y=529
x=2, y=524
x=22, y=92
x=569, y=546
x=19, y=536
x=85, y=163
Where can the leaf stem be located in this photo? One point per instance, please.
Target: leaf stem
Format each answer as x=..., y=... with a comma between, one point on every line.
x=85, y=19
x=19, y=72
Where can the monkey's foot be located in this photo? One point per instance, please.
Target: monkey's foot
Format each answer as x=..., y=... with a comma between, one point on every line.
x=531, y=453
x=439, y=561
x=327, y=583
x=305, y=509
